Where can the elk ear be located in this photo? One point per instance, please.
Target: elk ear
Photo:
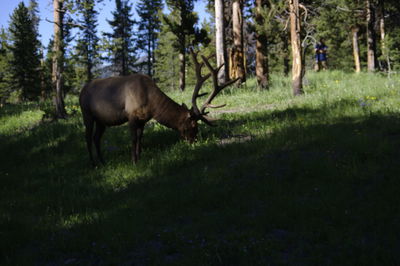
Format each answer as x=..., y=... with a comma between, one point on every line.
x=184, y=106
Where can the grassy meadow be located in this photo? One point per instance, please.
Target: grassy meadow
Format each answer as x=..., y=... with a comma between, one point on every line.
x=309, y=180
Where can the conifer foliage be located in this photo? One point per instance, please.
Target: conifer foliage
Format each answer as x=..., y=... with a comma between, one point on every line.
x=5, y=73
x=120, y=43
x=182, y=23
x=25, y=63
x=149, y=26
x=87, y=44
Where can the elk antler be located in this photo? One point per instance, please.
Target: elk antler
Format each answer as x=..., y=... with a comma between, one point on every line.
x=201, y=113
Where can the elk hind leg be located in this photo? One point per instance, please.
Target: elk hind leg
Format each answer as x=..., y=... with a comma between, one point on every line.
x=139, y=134
x=89, y=123
x=97, y=140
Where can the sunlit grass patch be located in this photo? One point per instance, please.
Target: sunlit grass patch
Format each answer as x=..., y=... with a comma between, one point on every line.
x=16, y=123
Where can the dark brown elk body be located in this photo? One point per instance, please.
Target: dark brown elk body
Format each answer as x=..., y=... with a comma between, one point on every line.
x=136, y=99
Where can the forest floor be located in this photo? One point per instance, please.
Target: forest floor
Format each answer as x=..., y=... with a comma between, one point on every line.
x=308, y=180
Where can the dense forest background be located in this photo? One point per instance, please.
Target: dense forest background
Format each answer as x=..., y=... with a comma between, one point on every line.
x=157, y=43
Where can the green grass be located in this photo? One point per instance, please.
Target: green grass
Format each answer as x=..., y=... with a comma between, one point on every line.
x=309, y=180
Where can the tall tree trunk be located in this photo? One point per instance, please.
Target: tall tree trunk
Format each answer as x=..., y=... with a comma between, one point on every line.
x=220, y=41
x=385, y=55
x=262, y=71
x=295, y=29
x=238, y=51
x=382, y=25
x=57, y=60
x=182, y=65
x=356, y=50
x=371, y=38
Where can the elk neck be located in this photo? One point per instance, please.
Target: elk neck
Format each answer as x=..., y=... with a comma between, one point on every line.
x=169, y=113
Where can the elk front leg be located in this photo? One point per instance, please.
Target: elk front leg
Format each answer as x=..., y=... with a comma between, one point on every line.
x=139, y=134
x=97, y=140
x=134, y=126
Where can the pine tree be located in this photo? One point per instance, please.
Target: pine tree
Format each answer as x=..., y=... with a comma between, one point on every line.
x=237, y=56
x=167, y=63
x=120, y=43
x=297, y=65
x=87, y=44
x=5, y=64
x=33, y=12
x=339, y=29
x=149, y=27
x=262, y=71
x=58, y=59
x=371, y=35
x=47, y=68
x=182, y=24
x=220, y=41
x=25, y=64
x=392, y=35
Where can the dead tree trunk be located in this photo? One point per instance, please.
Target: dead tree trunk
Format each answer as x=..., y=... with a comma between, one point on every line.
x=262, y=71
x=297, y=65
x=371, y=38
x=57, y=60
x=222, y=57
x=356, y=50
x=238, y=51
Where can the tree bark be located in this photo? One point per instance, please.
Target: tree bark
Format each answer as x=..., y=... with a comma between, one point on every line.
x=220, y=41
x=382, y=25
x=238, y=51
x=356, y=50
x=385, y=56
x=57, y=60
x=297, y=66
x=371, y=38
x=262, y=71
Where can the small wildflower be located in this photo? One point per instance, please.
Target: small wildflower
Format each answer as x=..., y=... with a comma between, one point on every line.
x=363, y=104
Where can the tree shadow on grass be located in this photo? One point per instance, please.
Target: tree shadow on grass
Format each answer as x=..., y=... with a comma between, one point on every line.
x=307, y=195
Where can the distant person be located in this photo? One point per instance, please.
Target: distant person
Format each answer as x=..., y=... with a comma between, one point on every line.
x=320, y=56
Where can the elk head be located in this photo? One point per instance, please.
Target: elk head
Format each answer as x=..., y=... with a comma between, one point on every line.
x=189, y=126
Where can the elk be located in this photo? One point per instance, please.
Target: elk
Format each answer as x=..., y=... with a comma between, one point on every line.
x=136, y=99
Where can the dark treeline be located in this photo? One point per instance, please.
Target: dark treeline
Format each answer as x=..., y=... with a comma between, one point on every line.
x=251, y=38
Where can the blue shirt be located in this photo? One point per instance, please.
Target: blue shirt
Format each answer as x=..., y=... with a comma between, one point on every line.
x=320, y=52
